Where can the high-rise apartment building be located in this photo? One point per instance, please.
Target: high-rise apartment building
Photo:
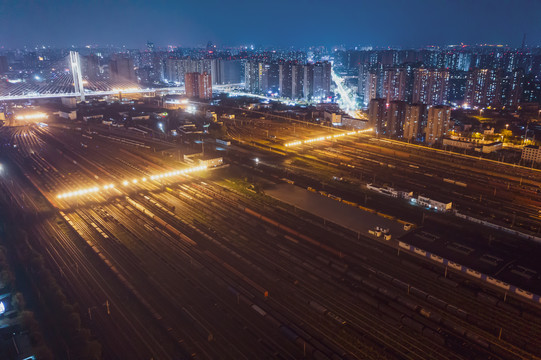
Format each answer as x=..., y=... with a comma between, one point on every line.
x=175, y=70
x=394, y=84
x=376, y=115
x=225, y=71
x=289, y=79
x=414, y=122
x=362, y=85
x=263, y=78
x=273, y=76
x=430, y=86
x=285, y=79
x=438, y=122
x=90, y=67
x=322, y=80
x=4, y=64
x=532, y=89
x=251, y=77
x=513, y=90
x=457, y=85
x=396, y=113
x=368, y=84
x=121, y=69
x=205, y=86
x=308, y=81
x=191, y=84
x=484, y=88
x=297, y=77
x=198, y=85
x=268, y=79
x=372, y=86
x=148, y=54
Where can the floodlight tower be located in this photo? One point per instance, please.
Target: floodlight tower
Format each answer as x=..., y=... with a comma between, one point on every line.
x=75, y=63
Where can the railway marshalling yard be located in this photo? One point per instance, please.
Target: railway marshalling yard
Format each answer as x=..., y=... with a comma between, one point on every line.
x=204, y=264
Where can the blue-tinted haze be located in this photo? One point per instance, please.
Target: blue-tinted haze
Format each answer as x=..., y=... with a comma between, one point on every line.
x=276, y=23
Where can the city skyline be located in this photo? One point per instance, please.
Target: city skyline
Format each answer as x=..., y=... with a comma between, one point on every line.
x=394, y=24
x=241, y=179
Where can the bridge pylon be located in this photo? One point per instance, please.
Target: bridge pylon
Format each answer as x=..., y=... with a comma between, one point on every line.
x=75, y=64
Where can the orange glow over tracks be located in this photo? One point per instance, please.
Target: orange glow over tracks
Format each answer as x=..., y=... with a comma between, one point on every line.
x=125, y=183
x=34, y=116
x=328, y=137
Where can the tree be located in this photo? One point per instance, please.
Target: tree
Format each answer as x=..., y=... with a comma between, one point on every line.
x=506, y=134
x=217, y=130
x=6, y=279
x=17, y=301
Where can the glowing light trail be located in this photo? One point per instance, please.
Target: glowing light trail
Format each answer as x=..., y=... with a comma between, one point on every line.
x=125, y=183
x=328, y=137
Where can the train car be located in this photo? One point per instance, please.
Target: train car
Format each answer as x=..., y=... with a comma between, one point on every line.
x=223, y=142
x=454, y=265
x=334, y=197
x=408, y=303
x=336, y=318
x=412, y=324
x=351, y=203
x=524, y=293
x=138, y=131
x=436, y=258
x=404, y=245
x=375, y=233
x=473, y=273
x=498, y=283
x=259, y=310
x=436, y=301
x=319, y=308
x=290, y=334
x=400, y=284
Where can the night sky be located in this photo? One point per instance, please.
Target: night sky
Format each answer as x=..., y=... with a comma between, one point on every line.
x=269, y=23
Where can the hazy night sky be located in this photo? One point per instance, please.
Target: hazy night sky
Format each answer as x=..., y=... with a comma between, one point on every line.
x=277, y=22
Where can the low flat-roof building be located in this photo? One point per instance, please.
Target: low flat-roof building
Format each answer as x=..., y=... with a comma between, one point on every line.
x=458, y=143
x=495, y=146
x=357, y=124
